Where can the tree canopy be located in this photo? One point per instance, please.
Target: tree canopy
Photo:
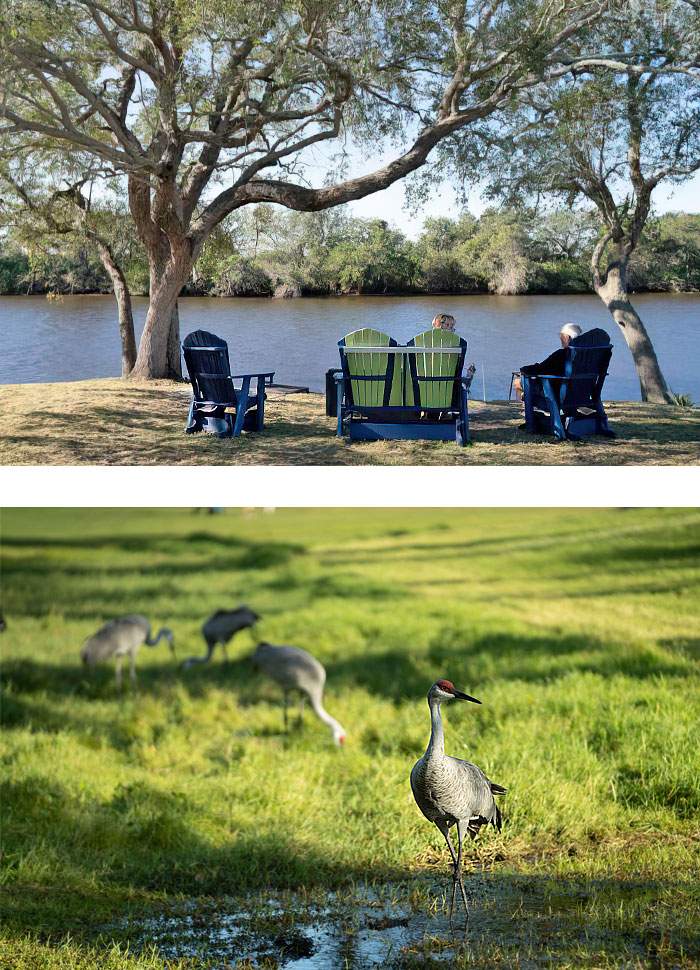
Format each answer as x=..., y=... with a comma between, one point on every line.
x=606, y=138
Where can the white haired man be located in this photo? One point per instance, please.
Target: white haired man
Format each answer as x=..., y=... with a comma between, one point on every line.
x=554, y=364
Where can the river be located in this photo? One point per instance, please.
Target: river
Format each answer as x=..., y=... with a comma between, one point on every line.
x=77, y=337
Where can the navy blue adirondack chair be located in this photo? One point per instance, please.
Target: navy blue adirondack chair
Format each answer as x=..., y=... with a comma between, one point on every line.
x=385, y=391
x=218, y=407
x=554, y=403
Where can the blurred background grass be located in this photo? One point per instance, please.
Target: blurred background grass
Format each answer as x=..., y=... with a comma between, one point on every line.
x=578, y=629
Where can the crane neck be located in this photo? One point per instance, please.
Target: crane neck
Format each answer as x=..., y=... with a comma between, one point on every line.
x=323, y=715
x=152, y=641
x=436, y=745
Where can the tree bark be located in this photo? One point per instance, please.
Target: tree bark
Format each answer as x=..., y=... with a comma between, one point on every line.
x=614, y=294
x=124, y=308
x=159, y=348
x=174, y=359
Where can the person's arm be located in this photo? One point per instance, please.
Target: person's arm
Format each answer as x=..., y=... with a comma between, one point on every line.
x=554, y=364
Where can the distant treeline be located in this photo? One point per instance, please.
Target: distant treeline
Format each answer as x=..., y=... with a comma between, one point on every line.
x=271, y=252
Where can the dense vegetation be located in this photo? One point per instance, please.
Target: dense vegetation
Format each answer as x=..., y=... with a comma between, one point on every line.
x=578, y=629
x=270, y=252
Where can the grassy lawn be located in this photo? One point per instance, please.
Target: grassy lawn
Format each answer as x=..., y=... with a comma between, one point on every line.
x=179, y=813
x=113, y=422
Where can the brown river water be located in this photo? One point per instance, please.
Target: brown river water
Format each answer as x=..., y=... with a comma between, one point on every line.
x=77, y=337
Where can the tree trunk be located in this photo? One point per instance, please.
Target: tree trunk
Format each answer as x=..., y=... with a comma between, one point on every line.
x=174, y=362
x=613, y=293
x=159, y=349
x=124, y=309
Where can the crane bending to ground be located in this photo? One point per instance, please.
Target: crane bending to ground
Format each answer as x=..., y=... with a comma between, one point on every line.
x=120, y=638
x=221, y=628
x=453, y=792
x=295, y=669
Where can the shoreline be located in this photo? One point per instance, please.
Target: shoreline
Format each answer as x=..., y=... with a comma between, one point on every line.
x=403, y=294
x=110, y=421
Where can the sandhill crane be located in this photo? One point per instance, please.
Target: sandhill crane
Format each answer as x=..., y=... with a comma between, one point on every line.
x=220, y=628
x=295, y=669
x=453, y=792
x=120, y=638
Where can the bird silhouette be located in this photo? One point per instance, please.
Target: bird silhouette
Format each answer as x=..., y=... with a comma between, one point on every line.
x=221, y=627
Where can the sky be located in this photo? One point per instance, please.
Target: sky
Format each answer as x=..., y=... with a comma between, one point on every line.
x=390, y=204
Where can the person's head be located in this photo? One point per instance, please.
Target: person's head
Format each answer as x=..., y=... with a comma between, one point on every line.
x=568, y=332
x=443, y=321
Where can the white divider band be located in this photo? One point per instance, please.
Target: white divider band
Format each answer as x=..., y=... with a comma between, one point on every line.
x=402, y=350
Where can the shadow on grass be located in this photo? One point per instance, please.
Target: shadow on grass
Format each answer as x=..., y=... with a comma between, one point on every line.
x=153, y=542
x=684, y=646
x=398, y=675
x=650, y=553
x=82, y=590
x=249, y=554
x=142, y=840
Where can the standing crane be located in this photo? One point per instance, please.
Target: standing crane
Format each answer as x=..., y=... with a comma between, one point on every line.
x=453, y=792
x=120, y=638
x=295, y=669
x=220, y=628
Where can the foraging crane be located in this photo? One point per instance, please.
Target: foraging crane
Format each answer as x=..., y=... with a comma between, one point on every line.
x=121, y=638
x=295, y=669
x=453, y=792
x=220, y=628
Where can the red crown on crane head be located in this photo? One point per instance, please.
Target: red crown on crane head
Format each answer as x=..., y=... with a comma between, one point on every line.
x=446, y=685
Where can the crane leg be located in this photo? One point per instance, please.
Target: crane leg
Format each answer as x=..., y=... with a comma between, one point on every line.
x=286, y=705
x=118, y=672
x=459, y=868
x=224, y=647
x=446, y=835
x=132, y=668
x=301, y=711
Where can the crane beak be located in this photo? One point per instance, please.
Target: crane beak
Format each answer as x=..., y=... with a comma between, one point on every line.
x=465, y=697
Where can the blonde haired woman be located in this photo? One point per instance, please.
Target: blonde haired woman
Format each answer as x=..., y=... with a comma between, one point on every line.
x=444, y=321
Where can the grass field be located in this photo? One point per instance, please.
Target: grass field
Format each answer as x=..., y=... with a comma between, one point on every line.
x=176, y=825
x=114, y=422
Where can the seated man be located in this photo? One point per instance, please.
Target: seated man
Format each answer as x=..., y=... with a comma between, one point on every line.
x=554, y=364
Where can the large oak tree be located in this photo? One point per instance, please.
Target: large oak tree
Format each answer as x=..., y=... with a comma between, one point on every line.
x=609, y=138
x=205, y=107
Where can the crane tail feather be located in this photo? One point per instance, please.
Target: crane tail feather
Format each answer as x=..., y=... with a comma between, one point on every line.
x=497, y=820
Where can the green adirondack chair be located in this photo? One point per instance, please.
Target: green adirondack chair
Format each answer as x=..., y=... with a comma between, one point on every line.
x=414, y=391
x=374, y=379
x=434, y=374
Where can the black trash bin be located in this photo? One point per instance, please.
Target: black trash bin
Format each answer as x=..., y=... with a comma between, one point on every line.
x=331, y=392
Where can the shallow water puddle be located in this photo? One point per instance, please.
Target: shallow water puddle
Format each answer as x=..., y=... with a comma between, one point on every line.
x=540, y=921
x=362, y=932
